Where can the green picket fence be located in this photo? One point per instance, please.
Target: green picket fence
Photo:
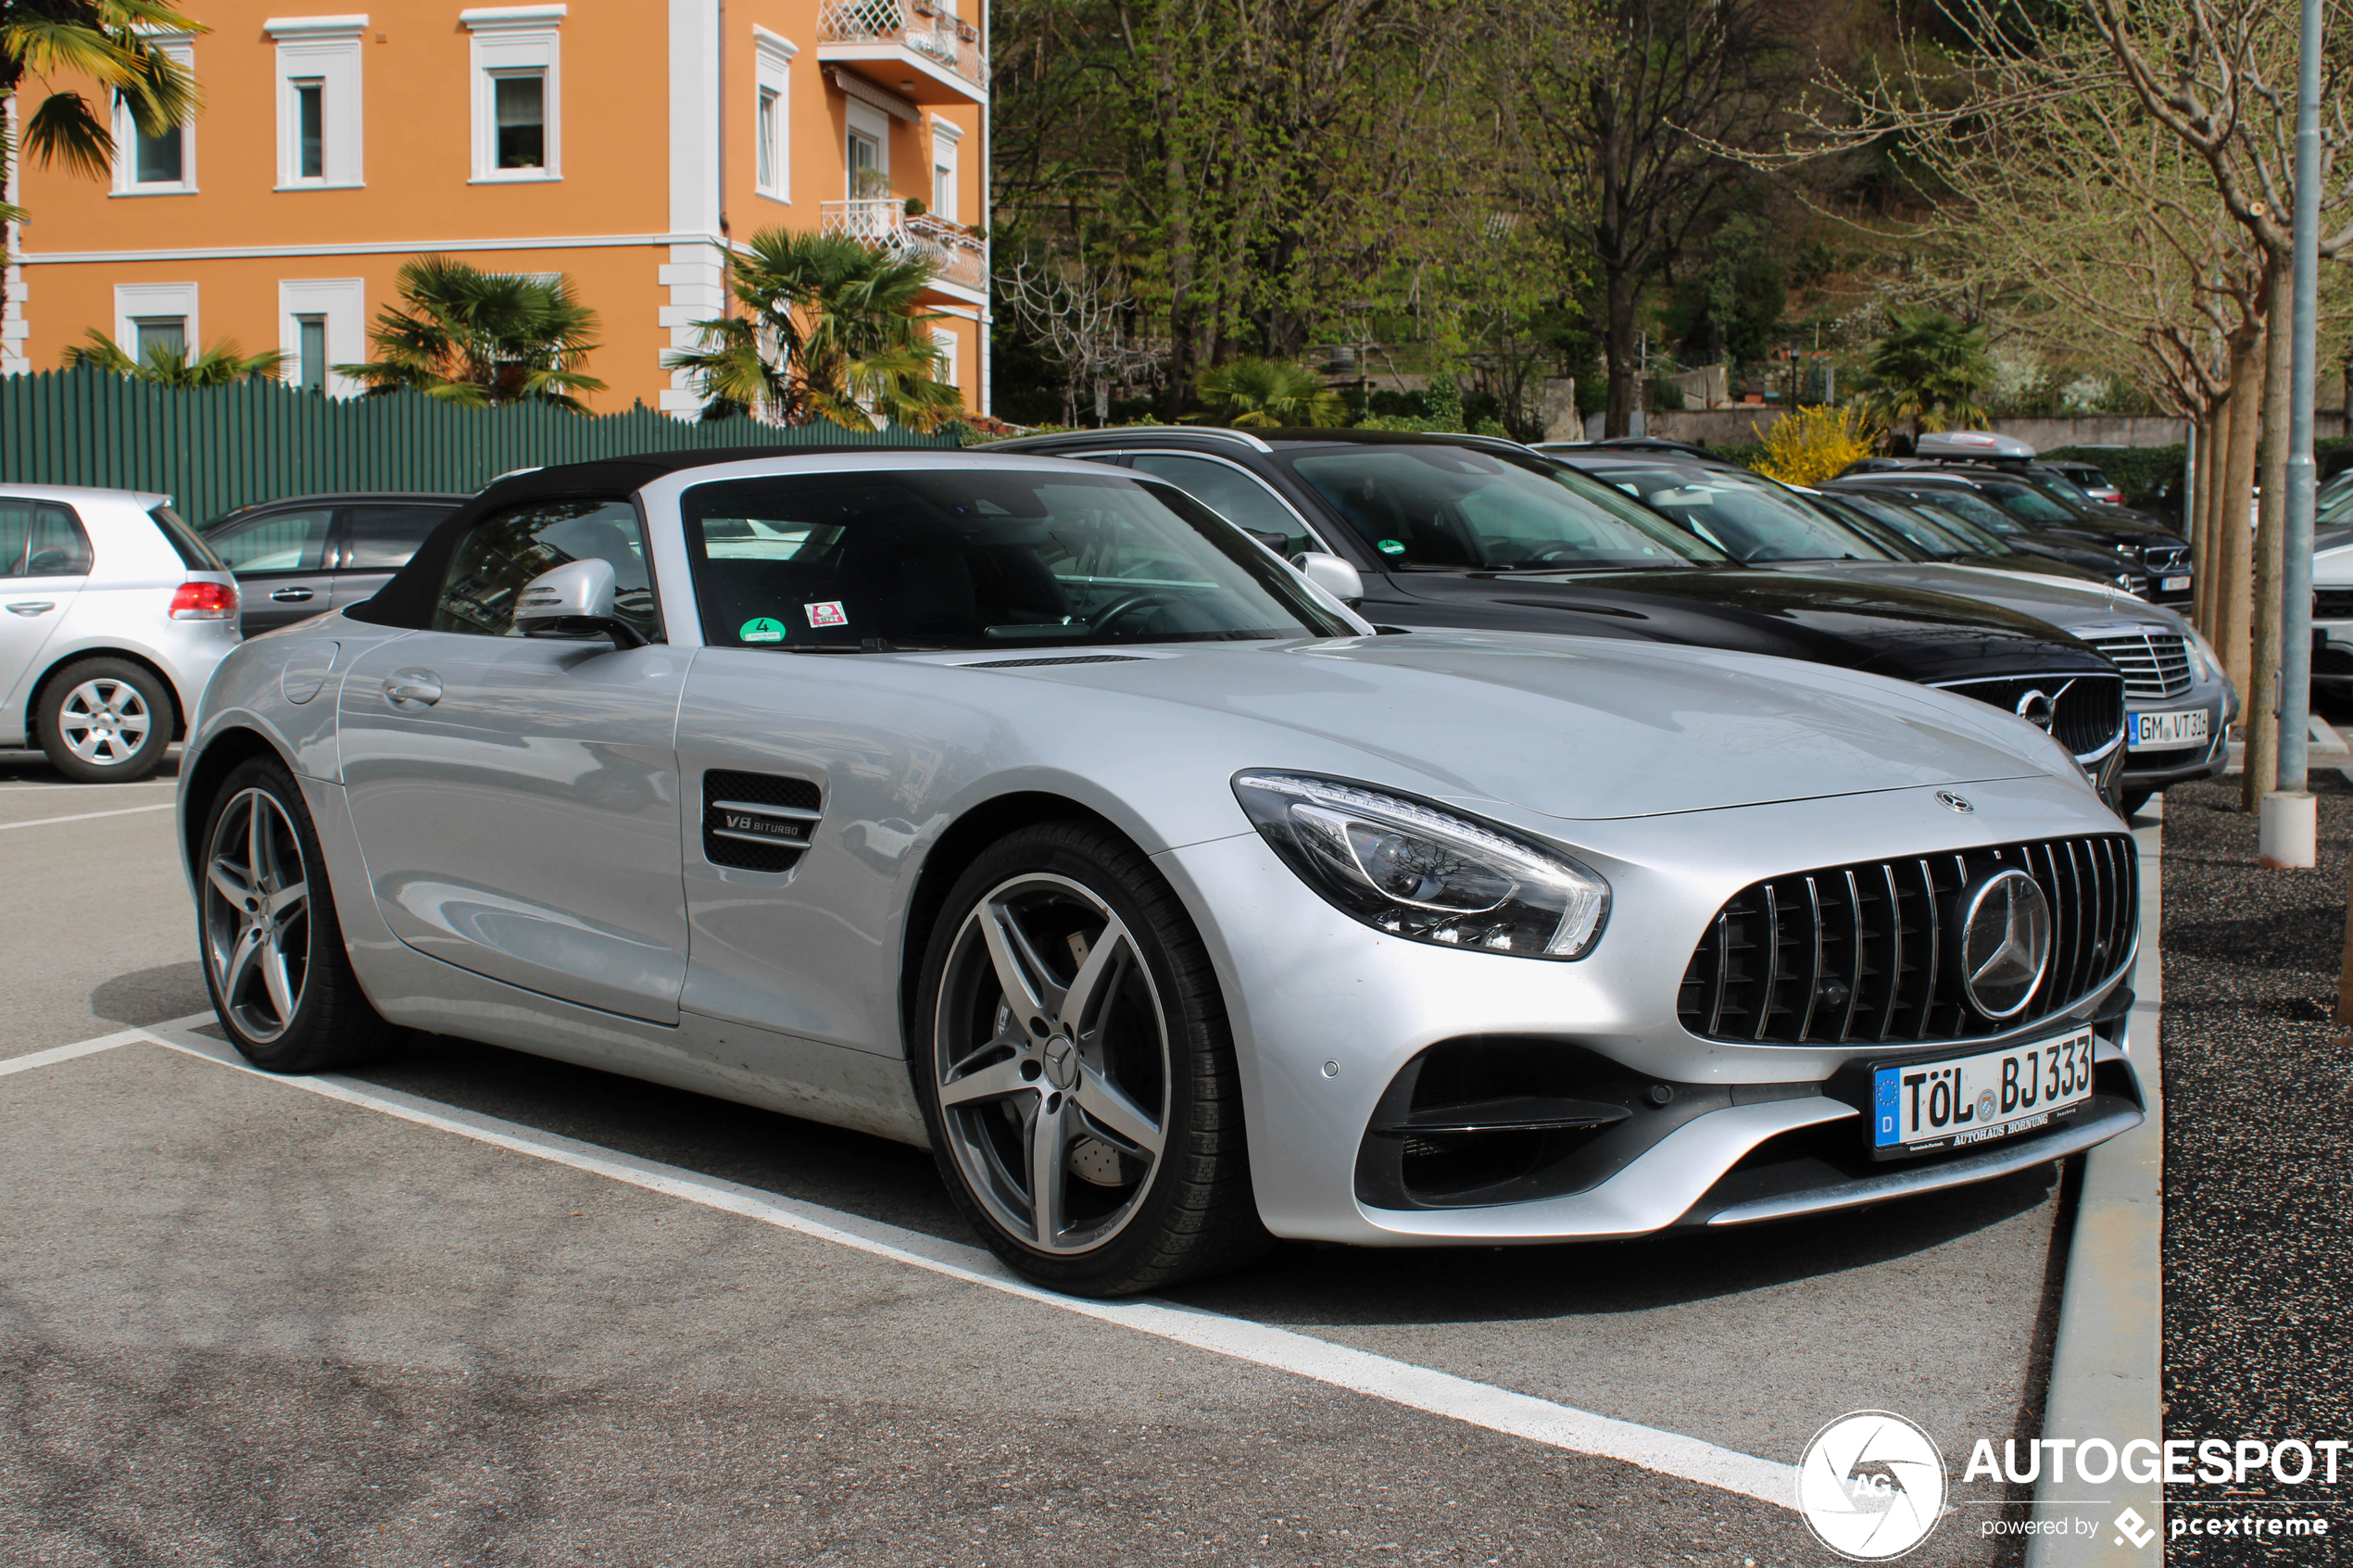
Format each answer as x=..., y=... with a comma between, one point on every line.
x=217, y=449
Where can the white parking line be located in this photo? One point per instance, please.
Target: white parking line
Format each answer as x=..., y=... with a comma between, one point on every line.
x=89, y=1048
x=93, y=788
x=85, y=816
x=1402, y=1383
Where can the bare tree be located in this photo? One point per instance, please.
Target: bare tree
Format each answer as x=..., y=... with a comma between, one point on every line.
x=1081, y=317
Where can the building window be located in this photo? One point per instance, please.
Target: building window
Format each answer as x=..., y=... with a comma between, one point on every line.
x=518, y=96
x=943, y=138
x=319, y=123
x=771, y=113
x=322, y=322
x=310, y=353
x=149, y=164
x=155, y=316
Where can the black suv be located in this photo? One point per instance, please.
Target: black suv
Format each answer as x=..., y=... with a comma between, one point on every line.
x=307, y=555
x=1469, y=532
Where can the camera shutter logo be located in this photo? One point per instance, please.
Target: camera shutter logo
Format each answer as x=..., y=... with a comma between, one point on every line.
x=2005, y=942
x=1871, y=1485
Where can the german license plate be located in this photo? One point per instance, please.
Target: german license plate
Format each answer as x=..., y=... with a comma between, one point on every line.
x=2173, y=585
x=1919, y=1107
x=2185, y=728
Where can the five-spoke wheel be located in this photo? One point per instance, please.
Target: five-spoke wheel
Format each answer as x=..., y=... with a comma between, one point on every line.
x=105, y=721
x=1076, y=1068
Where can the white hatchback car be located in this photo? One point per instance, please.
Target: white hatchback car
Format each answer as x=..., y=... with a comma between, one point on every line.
x=113, y=614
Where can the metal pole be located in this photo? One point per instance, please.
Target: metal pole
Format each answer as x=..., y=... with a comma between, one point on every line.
x=2289, y=829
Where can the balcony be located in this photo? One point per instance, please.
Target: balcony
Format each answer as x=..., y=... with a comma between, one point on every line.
x=955, y=257
x=917, y=48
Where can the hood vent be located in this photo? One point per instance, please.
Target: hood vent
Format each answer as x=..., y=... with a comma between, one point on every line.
x=1036, y=663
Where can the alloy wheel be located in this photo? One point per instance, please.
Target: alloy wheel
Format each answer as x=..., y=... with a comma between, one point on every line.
x=103, y=722
x=1050, y=1053
x=257, y=915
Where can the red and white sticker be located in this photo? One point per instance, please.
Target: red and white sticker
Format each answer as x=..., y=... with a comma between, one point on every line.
x=828, y=613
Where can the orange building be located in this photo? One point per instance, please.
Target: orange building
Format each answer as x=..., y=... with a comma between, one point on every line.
x=618, y=140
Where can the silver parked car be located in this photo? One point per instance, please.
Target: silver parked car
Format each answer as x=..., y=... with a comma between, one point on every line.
x=1026, y=809
x=115, y=615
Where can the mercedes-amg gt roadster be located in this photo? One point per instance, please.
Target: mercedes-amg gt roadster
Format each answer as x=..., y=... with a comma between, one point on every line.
x=1027, y=810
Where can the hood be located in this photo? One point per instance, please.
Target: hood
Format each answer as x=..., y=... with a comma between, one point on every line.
x=1565, y=727
x=1910, y=634
x=2075, y=607
x=2333, y=566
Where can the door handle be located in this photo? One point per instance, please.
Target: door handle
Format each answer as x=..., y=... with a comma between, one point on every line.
x=290, y=595
x=413, y=688
x=32, y=606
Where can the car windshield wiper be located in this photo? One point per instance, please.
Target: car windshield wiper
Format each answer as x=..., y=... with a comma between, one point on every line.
x=1667, y=563
x=864, y=645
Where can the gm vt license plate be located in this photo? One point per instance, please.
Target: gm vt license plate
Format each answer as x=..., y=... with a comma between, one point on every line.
x=1922, y=1106
x=2187, y=727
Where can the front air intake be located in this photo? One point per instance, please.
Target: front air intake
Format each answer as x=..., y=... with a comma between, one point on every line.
x=1862, y=953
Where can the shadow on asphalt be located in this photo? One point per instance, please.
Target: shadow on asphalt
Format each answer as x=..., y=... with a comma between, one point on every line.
x=152, y=996
x=1299, y=1284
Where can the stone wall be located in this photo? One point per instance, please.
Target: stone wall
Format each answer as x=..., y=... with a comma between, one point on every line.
x=1746, y=424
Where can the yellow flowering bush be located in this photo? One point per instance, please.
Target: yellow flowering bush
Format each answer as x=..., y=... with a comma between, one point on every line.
x=1808, y=445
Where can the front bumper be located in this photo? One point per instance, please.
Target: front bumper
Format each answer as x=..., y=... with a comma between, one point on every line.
x=2332, y=654
x=1327, y=1013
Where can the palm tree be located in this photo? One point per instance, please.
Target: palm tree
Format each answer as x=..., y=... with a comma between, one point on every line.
x=1266, y=391
x=480, y=339
x=109, y=42
x=833, y=329
x=221, y=363
x=1931, y=372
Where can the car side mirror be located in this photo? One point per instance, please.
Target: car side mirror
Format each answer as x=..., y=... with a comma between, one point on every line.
x=1268, y=537
x=574, y=600
x=1331, y=574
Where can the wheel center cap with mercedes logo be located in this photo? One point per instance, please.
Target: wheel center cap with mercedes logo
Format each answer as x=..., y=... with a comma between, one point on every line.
x=1062, y=1062
x=2005, y=942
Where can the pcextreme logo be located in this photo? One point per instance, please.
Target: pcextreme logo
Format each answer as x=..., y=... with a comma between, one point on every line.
x=1871, y=1485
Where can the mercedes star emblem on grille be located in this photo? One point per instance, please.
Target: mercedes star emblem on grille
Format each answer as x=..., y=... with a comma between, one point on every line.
x=1954, y=802
x=2005, y=941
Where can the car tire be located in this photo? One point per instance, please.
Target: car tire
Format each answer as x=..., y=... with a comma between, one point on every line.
x=281, y=985
x=1126, y=1094
x=105, y=721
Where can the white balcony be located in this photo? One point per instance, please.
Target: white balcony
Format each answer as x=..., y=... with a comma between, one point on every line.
x=918, y=49
x=956, y=258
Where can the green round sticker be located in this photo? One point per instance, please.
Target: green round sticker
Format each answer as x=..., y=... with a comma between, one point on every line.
x=759, y=629
x=1391, y=547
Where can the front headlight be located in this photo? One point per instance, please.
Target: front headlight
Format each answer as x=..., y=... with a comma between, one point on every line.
x=2205, y=663
x=1411, y=869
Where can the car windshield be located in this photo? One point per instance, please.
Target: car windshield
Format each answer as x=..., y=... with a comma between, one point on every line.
x=979, y=558
x=1453, y=509
x=1969, y=533
x=2335, y=500
x=2028, y=503
x=1907, y=525
x=1749, y=518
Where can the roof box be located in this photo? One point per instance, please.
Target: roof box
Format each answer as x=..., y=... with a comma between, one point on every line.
x=1978, y=443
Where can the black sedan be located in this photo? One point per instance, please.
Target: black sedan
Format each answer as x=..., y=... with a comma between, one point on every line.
x=1470, y=532
x=2030, y=514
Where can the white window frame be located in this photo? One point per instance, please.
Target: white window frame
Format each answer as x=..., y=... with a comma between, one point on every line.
x=507, y=41
x=773, y=56
x=864, y=121
x=182, y=48
x=344, y=302
x=326, y=50
x=945, y=135
x=950, y=346
x=133, y=301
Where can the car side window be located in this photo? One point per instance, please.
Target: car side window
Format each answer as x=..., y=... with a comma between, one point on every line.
x=1232, y=495
x=280, y=541
x=506, y=550
x=42, y=539
x=381, y=538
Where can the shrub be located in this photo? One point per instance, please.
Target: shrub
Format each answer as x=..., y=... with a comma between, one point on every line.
x=1808, y=445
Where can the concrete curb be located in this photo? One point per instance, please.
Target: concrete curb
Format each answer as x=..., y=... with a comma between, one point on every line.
x=2327, y=749
x=2107, y=1369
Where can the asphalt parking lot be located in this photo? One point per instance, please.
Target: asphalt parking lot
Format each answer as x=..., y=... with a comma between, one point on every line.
x=474, y=1307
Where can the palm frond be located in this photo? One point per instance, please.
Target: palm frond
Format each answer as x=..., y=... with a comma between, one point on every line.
x=64, y=130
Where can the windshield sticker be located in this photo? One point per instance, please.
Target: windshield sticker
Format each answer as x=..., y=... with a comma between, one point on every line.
x=759, y=629
x=828, y=613
x=1391, y=547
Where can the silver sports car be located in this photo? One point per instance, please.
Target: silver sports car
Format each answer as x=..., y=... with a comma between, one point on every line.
x=1026, y=809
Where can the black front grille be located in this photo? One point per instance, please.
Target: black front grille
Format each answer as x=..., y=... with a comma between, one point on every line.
x=2156, y=665
x=2333, y=604
x=1862, y=952
x=757, y=822
x=2087, y=711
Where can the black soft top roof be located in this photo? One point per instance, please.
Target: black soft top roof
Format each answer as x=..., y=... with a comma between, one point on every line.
x=409, y=598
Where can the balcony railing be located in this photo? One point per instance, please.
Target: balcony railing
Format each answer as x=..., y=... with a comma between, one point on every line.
x=955, y=256
x=925, y=26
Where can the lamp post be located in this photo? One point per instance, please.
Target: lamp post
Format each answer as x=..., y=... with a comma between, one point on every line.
x=2288, y=823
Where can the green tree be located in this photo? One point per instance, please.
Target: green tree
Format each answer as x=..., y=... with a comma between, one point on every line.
x=221, y=363
x=833, y=329
x=1266, y=391
x=1931, y=372
x=480, y=339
